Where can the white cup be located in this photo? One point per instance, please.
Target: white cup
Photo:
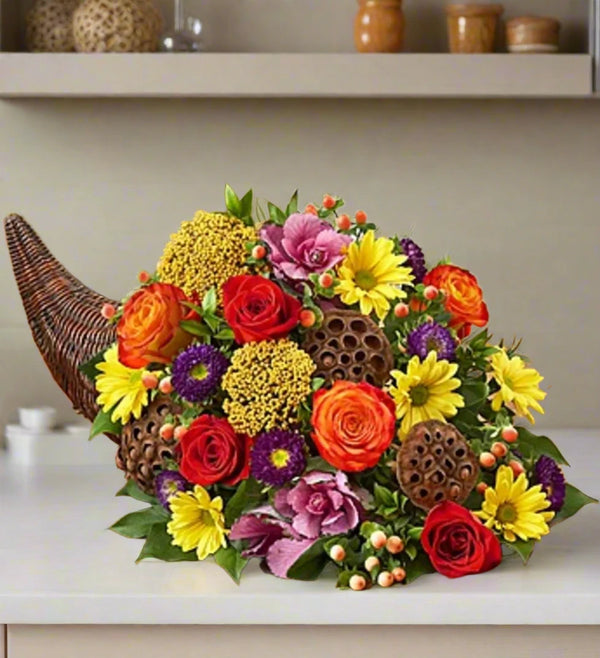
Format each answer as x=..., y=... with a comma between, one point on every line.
x=37, y=419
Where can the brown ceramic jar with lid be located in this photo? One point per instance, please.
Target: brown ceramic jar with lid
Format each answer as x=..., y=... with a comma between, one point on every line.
x=472, y=27
x=532, y=34
x=379, y=26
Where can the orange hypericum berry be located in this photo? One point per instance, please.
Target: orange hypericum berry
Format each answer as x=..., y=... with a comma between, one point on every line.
x=371, y=563
x=343, y=222
x=357, y=582
x=337, y=553
x=487, y=459
x=430, y=293
x=399, y=574
x=307, y=318
x=166, y=431
x=180, y=432
x=394, y=545
x=481, y=487
x=378, y=539
x=143, y=276
x=325, y=280
x=517, y=467
x=165, y=385
x=499, y=450
x=328, y=202
x=510, y=434
x=361, y=217
x=385, y=579
x=311, y=210
x=149, y=380
x=259, y=252
x=108, y=311
x=401, y=310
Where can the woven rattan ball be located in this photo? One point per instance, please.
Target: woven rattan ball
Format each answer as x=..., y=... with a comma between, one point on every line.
x=49, y=26
x=142, y=451
x=436, y=463
x=349, y=345
x=116, y=26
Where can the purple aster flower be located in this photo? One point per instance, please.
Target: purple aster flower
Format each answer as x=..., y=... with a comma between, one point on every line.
x=197, y=371
x=260, y=529
x=167, y=484
x=550, y=476
x=415, y=257
x=304, y=245
x=320, y=504
x=277, y=457
x=431, y=336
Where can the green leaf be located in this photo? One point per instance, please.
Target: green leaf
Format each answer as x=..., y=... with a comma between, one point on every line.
x=317, y=383
x=232, y=203
x=195, y=328
x=420, y=566
x=246, y=204
x=224, y=334
x=411, y=550
x=384, y=497
x=104, y=425
x=319, y=464
x=138, y=524
x=212, y=321
x=311, y=563
x=158, y=545
x=132, y=490
x=523, y=548
x=292, y=206
x=415, y=533
x=209, y=301
x=232, y=562
x=276, y=214
x=475, y=393
x=574, y=501
x=536, y=446
x=89, y=367
x=247, y=495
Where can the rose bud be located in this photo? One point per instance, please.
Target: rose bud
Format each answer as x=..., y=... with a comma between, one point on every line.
x=510, y=434
x=499, y=450
x=378, y=539
x=357, y=582
x=487, y=459
x=385, y=579
x=394, y=545
x=259, y=252
x=399, y=574
x=401, y=310
x=337, y=553
x=361, y=217
x=343, y=222
x=371, y=563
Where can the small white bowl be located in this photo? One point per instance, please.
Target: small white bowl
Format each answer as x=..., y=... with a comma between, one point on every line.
x=37, y=419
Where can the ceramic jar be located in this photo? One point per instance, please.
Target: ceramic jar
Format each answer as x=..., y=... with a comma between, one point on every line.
x=379, y=26
x=472, y=27
x=117, y=26
x=532, y=34
x=49, y=26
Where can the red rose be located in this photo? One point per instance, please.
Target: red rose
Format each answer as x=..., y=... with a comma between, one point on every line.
x=258, y=309
x=457, y=543
x=210, y=452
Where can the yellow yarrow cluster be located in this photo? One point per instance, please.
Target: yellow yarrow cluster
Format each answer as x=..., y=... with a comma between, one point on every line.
x=205, y=252
x=266, y=383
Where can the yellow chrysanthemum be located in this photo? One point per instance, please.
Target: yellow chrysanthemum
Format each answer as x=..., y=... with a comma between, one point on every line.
x=205, y=252
x=266, y=383
x=425, y=391
x=519, y=385
x=120, y=387
x=514, y=509
x=197, y=522
x=371, y=275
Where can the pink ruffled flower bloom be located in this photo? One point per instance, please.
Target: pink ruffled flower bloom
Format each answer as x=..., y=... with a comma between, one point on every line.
x=304, y=245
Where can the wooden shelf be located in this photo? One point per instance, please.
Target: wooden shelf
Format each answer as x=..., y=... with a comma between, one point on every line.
x=262, y=75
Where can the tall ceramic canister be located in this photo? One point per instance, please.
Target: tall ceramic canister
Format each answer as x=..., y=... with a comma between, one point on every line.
x=472, y=27
x=379, y=26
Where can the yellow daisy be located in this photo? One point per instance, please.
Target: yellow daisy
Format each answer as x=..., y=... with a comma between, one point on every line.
x=371, y=275
x=197, y=522
x=120, y=387
x=519, y=385
x=514, y=509
x=425, y=391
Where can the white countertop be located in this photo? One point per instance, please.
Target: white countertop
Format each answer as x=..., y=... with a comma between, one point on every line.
x=58, y=565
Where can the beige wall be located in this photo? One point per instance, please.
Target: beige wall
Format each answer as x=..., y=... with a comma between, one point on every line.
x=510, y=189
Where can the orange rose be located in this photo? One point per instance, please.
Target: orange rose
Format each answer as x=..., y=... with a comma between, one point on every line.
x=464, y=298
x=353, y=424
x=149, y=330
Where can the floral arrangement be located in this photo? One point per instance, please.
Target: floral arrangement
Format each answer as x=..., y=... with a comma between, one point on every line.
x=298, y=390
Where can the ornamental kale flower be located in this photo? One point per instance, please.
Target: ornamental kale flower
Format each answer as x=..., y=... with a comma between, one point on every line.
x=197, y=372
x=415, y=258
x=167, y=484
x=277, y=457
x=261, y=529
x=320, y=504
x=431, y=337
x=304, y=245
x=550, y=476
